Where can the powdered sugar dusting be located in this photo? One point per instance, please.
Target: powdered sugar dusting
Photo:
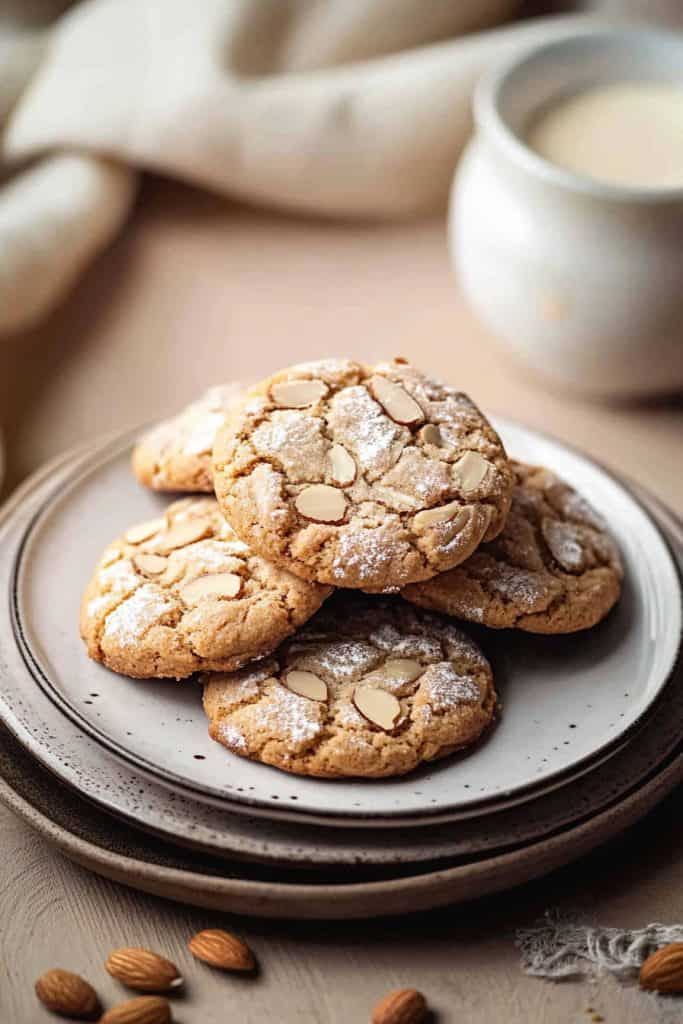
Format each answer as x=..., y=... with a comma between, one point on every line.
x=573, y=506
x=360, y=424
x=386, y=637
x=345, y=660
x=255, y=406
x=160, y=436
x=326, y=368
x=290, y=717
x=193, y=431
x=120, y=576
x=474, y=612
x=98, y=604
x=256, y=672
x=349, y=717
x=128, y=623
x=426, y=648
x=427, y=481
x=231, y=542
x=221, y=397
x=202, y=433
x=210, y=556
x=458, y=645
x=239, y=692
x=232, y=737
x=296, y=441
x=444, y=688
x=529, y=591
x=363, y=554
x=266, y=491
x=564, y=541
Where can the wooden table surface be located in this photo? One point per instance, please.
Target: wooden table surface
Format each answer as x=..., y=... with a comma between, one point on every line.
x=197, y=291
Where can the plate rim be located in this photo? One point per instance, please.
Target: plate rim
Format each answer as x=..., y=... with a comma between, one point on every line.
x=452, y=883
x=225, y=845
x=115, y=445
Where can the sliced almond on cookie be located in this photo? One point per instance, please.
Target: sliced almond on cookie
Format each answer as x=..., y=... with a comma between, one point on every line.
x=221, y=584
x=306, y=684
x=379, y=707
x=404, y=670
x=150, y=565
x=471, y=470
x=396, y=402
x=297, y=394
x=565, y=543
x=442, y=514
x=144, y=531
x=321, y=503
x=342, y=466
x=430, y=434
x=182, y=534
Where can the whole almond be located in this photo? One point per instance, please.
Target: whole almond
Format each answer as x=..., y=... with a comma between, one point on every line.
x=404, y=1006
x=221, y=949
x=663, y=971
x=143, y=970
x=67, y=994
x=142, y=1010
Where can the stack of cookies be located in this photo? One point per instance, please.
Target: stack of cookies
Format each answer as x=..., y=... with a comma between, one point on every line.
x=358, y=512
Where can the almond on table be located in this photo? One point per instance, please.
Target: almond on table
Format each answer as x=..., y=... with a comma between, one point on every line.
x=67, y=994
x=223, y=950
x=663, y=969
x=141, y=1010
x=143, y=970
x=404, y=1006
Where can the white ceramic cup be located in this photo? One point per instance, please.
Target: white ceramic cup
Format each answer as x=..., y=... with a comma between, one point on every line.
x=581, y=280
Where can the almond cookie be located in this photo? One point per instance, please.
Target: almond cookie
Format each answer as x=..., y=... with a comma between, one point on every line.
x=553, y=569
x=176, y=454
x=182, y=593
x=367, y=688
x=361, y=477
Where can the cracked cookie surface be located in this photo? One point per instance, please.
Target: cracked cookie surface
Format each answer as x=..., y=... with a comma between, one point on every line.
x=361, y=477
x=368, y=688
x=176, y=454
x=553, y=569
x=183, y=593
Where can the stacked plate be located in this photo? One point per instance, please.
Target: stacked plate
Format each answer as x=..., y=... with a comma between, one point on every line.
x=588, y=741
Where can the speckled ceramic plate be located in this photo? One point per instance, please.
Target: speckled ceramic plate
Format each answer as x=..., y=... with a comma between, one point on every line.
x=85, y=836
x=78, y=760
x=567, y=700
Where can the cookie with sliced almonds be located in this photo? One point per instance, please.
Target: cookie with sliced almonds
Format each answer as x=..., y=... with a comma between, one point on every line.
x=553, y=569
x=368, y=688
x=176, y=454
x=181, y=592
x=361, y=477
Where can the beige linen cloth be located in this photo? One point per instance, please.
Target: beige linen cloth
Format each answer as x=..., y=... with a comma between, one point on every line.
x=337, y=107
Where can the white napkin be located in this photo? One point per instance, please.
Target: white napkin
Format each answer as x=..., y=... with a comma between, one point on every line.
x=303, y=104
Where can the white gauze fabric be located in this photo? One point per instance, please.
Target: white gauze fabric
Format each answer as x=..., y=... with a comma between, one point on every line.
x=560, y=949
